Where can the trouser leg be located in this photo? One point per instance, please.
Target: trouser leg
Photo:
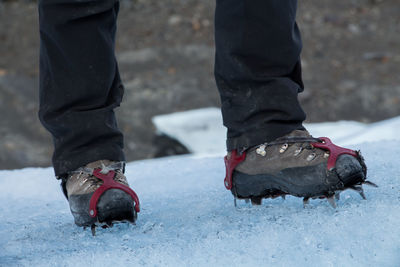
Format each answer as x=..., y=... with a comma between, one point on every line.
x=79, y=81
x=257, y=69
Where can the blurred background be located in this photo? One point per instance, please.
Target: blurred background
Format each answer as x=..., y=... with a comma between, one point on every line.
x=351, y=66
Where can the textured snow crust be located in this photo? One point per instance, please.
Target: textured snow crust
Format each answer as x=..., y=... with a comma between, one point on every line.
x=188, y=219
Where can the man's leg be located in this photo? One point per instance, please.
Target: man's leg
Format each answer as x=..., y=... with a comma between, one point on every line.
x=79, y=88
x=258, y=74
x=79, y=81
x=257, y=69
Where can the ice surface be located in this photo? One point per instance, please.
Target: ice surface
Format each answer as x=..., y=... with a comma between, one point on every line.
x=188, y=219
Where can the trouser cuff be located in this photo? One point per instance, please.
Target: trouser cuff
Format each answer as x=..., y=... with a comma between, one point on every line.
x=63, y=166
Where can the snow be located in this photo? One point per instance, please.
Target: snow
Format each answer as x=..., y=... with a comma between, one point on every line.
x=188, y=217
x=202, y=125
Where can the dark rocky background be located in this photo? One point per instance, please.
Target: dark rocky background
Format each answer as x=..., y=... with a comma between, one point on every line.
x=351, y=61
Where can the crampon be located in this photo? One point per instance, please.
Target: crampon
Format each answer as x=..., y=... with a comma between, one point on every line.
x=110, y=183
x=327, y=171
x=101, y=197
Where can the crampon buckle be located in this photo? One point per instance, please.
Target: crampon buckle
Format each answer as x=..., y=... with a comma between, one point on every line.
x=109, y=183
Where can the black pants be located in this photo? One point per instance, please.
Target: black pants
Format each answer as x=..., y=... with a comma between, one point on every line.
x=257, y=70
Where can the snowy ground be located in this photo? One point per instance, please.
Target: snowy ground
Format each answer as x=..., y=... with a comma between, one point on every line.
x=188, y=219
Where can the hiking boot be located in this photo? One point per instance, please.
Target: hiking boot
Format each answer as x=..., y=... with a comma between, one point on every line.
x=296, y=164
x=99, y=194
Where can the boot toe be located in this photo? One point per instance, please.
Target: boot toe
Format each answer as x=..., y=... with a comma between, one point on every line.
x=349, y=170
x=114, y=205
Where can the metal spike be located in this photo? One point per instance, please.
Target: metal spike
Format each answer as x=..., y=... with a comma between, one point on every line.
x=306, y=201
x=234, y=202
x=256, y=201
x=93, y=228
x=331, y=201
x=358, y=189
x=362, y=194
x=337, y=195
x=370, y=184
x=355, y=188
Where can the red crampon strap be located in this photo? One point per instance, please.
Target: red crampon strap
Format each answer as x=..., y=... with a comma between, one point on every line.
x=109, y=183
x=334, y=151
x=230, y=165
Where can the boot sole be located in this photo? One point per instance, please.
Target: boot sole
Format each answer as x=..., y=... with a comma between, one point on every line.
x=310, y=181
